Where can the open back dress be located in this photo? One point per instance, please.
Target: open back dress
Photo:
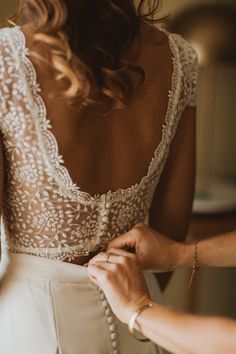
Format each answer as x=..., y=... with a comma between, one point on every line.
x=48, y=306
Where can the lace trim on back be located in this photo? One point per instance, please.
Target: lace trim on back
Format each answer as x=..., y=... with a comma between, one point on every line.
x=50, y=146
x=45, y=213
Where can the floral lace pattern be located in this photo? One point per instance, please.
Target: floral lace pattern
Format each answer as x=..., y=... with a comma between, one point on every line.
x=44, y=212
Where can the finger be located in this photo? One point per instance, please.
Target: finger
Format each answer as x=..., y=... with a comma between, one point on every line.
x=104, y=259
x=126, y=240
x=120, y=252
x=107, y=258
x=119, y=258
x=113, y=255
x=100, y=257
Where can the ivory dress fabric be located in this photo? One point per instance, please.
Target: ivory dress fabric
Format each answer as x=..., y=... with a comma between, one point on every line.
x=47, y=218
x=52, y=307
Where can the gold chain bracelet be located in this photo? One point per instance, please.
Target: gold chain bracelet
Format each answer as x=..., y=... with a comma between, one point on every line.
x=195, y=266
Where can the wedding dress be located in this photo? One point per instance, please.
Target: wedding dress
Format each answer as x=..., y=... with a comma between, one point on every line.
x=48, y=306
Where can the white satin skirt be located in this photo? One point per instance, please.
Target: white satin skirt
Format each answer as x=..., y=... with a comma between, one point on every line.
x=52, y=307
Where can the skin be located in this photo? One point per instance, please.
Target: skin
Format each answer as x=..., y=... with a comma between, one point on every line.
x=136, y=130
x=158, y=253
x=123, y=283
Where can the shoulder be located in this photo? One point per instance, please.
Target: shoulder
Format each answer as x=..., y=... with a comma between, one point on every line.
x=4, y=33
x=7, y=35
x=7, y=48
x=11, y=48
x=185, y=51
x=170, y=44
x=11, y=41
x=187, y=60
x=11, y=44
x=155, y=56
x=184, y=47
x=159, y=35
x=7, y=61
x=4, y=44
x=166, y=49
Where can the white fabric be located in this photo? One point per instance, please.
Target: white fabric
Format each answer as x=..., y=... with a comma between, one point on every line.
x=51, y=307
x=45, y=213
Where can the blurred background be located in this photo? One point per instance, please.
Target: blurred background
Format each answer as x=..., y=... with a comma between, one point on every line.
x=210, y=26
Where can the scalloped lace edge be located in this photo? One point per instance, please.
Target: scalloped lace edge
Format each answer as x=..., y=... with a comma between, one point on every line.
x=49, y=143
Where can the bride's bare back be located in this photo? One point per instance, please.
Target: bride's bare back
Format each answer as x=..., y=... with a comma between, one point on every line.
x=108, y=152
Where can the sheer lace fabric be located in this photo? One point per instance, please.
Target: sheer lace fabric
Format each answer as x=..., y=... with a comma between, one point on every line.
x=44, y=212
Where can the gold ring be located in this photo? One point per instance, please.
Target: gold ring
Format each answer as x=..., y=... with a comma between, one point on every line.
x=107, y=257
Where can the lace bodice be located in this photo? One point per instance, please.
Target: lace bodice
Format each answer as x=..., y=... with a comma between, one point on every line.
x=44, y=212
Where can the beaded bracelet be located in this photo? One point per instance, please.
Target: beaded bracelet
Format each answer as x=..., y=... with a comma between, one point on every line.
x=133, y=319
x=195, y=266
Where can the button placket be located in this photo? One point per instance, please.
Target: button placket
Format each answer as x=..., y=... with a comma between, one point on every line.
x=110, y=322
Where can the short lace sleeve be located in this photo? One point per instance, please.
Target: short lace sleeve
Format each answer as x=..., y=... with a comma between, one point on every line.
x=193, y=77
x=6, y=74
x=11, y=87
x=188, y=61
x=2, y=77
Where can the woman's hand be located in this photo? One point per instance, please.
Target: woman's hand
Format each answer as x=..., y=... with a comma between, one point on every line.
x=121, y=279
x=155, y=252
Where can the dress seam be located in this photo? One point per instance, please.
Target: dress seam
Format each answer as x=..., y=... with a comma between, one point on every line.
x=58, y=349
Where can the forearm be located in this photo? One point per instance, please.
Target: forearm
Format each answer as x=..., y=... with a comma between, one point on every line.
x=177, y=232
x=219, y=251
x=185, y=334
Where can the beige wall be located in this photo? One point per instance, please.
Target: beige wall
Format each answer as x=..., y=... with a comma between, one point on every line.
x=217, y=112
x=6, y=8
x=173, y=6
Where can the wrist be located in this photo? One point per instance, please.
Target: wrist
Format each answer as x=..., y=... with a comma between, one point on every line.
x=132, y=308
x=134, y=320
x=184, y=255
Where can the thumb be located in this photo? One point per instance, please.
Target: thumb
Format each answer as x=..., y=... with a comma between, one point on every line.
x=124, y=241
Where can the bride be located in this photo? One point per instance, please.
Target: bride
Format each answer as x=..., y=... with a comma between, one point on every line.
x=97, y=120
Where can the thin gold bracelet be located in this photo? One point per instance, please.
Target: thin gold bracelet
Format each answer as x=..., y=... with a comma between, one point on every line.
x=195, y=266
x=133, y=319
